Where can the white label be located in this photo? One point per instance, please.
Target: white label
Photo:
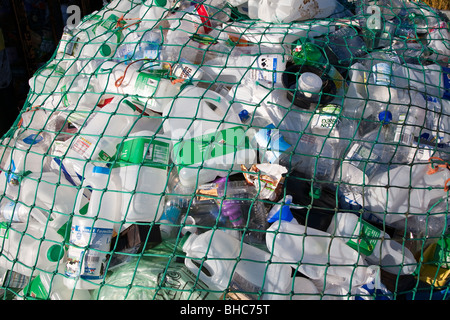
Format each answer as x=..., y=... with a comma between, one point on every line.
x=382, y=74
x=266, y=68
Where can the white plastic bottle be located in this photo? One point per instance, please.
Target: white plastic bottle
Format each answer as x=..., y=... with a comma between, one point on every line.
x=291, y=10
x=97, y=140
x=316, y=253
x=31, y=153
x=148, y=86
x=152, y=11
x=29, y=247
x=92, y=231
x=375, y=244
x=142, y=167
x=221, y=269
x=205, y=131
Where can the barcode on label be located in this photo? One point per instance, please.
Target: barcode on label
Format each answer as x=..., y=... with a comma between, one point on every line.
x=157, y=152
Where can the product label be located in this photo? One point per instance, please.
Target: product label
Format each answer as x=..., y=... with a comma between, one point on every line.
x=146, y=84
x=272, y=142
x=382, y=74
x=144, y=151
x=209, y=146
x=364, y=238
x=88, y=263
x=266, y=68
x=326, y=118
x=82, y=145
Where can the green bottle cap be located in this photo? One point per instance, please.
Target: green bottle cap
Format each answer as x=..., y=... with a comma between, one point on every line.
x=105, y=50
x=55, y=253
x=160, y=3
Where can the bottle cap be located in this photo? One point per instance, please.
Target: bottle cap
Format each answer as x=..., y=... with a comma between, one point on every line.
x=244, y=115
x=55, y=253
x=315, y=193
x=310, y=83
x=385, y=116
x=160, y=3
x=105, y=50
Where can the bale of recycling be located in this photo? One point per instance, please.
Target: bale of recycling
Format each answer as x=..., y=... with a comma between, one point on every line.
x=233, y=150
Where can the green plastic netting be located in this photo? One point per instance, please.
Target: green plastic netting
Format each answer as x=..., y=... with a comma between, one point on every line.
x=233, y=150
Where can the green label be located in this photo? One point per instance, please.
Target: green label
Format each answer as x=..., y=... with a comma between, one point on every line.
x=442, y=253
x=205, y=147
x=4, y=230
x=146, y=84
x=144, y=151
x=367, y=238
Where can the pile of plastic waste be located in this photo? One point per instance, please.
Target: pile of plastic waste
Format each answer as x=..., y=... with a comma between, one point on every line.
x=233, y=150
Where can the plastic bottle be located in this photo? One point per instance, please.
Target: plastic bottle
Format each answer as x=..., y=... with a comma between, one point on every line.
x=293, y=10
x=192, y=139
x=99, y=37
x=96, y=142
x=316, y=253
x=31, y=153
x=375, y=244
x=13, y=211
x=141, y=164
x=49, y=286
x=92, y=230
x=30, y=247
x=221, y=270
x=45, y=82
x=140, y=45
x=405, y=190
x=147, y=86
x=173, y=208
x=152, y=11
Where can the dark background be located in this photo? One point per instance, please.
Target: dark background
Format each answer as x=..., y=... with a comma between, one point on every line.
x=30, y=32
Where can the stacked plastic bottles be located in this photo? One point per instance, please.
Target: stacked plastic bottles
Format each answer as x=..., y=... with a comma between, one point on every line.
x=233, y=150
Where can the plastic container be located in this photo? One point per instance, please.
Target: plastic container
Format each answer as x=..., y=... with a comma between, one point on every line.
x=139, y=82
x=206, y=141
x=315, y=253
x=30, y=247
x=141, y=165
x=375, y=244
x=49, y=286
x=153, y=11
x=30, y=154
x=221, y=269
x=97, y=140
x=288, y=11
x=92, y=230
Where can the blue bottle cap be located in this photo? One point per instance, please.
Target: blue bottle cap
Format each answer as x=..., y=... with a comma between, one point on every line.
x=244, y=115
x=385, y=116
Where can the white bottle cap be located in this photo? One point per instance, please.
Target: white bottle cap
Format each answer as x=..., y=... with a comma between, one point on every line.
x=310, y=83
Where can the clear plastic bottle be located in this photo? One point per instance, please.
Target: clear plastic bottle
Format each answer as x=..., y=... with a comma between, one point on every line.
x=92, y=230
x=373, y=243
x=255, y=271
